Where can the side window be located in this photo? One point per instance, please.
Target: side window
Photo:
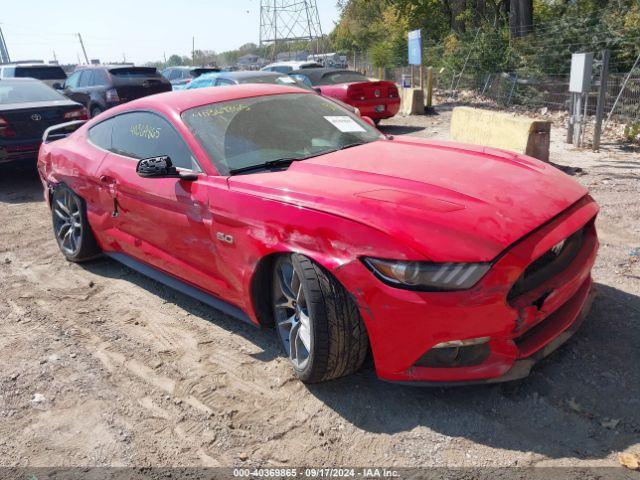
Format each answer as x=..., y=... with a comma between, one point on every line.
x=303, y=79
x=223, y=82
x=100, y=78
x=143, y=135
x=72, y=81
x=100, y=134
x=282, y=69
x=86, y=78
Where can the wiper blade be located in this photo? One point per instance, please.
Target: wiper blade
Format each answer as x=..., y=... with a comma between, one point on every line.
x=350, y=145
x=278, y=162
x=286, y=161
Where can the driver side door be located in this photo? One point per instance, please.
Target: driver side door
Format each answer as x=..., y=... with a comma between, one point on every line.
x=162, y=222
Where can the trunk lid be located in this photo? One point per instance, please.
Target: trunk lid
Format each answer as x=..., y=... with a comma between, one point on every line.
x=30, y=120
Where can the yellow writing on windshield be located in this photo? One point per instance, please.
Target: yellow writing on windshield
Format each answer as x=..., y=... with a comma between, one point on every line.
x=222, y=110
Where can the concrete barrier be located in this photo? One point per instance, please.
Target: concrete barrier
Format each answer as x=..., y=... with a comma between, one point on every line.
x=501, y=130
x=411, y=101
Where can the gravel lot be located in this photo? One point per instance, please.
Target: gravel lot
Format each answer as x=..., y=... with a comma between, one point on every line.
x=100, y=366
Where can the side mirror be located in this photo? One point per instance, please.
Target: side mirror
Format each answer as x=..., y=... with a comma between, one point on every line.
x=161, y=167
x=57, y=86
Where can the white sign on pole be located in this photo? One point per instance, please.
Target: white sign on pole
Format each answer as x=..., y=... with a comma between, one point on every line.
x=581, y=67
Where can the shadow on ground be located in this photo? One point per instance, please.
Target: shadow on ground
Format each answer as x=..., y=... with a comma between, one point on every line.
x=583, y=401
x=264, y=338
x=399, y=129
x=19, y=183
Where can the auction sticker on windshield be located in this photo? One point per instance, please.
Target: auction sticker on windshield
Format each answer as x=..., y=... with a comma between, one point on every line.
x=344, y=124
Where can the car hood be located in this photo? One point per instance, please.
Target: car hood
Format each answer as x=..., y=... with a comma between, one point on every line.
x=447, y=202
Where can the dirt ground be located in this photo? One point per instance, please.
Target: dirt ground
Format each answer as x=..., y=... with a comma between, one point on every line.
x=100, y=366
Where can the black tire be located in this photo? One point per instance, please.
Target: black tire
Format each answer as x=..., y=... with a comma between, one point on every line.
x=338, y=335
x=71, y=227
x=95, y=111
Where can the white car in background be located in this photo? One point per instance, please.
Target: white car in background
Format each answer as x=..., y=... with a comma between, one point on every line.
x=290, y=66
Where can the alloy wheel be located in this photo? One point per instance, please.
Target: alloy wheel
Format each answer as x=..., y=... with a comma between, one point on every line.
x=67, y=222
x=292, y=317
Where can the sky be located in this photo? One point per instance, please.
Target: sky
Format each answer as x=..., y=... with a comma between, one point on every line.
x=138, y=30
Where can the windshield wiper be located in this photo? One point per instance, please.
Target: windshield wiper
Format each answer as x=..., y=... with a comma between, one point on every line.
x=278, y=162
x=286, y=161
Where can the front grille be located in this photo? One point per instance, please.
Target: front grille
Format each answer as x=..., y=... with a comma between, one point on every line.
x=550, y=264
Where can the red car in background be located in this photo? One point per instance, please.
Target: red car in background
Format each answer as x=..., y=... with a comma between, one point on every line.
x=375, y=99
x=281, y=208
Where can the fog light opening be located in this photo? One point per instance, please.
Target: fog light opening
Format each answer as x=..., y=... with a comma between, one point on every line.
x=456, y=353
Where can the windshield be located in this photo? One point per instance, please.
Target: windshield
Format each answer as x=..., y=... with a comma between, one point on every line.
x=253, y=131
x=196, y=72
x=23, y=91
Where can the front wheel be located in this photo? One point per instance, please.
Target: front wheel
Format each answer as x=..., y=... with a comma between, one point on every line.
x=71, y=227
x=317, y=321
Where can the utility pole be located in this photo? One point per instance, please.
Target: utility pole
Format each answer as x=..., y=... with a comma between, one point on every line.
x=84, y=51
x=602, y=94
x=4, y=52
x=193, y=51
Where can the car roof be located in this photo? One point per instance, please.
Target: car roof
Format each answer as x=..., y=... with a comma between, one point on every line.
x=290, y=63
x=316, y=74
x=34, y=64
x=109, y=67
x=178, y=101
x=187, y=67
x=20, y=80
x=240, y=75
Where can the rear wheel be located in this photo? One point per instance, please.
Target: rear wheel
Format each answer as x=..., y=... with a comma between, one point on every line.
x=317, y=321
x=70, y=226
x=95, y=111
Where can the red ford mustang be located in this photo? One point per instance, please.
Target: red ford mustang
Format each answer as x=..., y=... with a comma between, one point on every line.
x=450, y=263
x=376, y=100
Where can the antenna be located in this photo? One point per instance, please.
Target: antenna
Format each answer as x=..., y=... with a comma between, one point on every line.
x=285, y=21
x=4, y=52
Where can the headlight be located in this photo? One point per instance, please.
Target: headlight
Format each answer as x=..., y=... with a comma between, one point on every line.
x=427, y=276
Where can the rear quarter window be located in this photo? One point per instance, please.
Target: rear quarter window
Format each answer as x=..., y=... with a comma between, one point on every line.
x=100, y=134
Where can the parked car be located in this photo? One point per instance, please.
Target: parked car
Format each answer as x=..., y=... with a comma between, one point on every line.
x=290, y=65
x=280, y=208
x=226, y=79
x=52, y=75
x=180, y=77
x=27, y=108
x=102, y=87
x=377, y=100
